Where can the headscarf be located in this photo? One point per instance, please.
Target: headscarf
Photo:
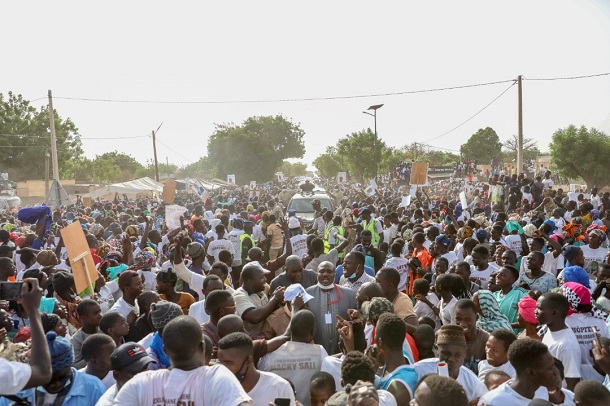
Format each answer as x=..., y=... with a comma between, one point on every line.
x=148, y=258
x=577, y=295
x=514, y=226
x=407, y=234
x=576, y=274
x=464, y=232
x=570, y=252
x=492, y=318
x=527, y=309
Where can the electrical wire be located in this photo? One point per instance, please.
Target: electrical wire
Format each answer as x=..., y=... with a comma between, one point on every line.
x=360, y=96
x=171, y=149
x=82, y=138
x=474, y=115
x=571, y=77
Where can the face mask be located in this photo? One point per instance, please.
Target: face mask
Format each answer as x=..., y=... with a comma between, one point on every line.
x=241, y=377
x=353, y=276
x=324, y=287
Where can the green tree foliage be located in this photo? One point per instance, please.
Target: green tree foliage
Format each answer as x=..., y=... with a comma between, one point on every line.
x=199, y=169
x=423, y=153
x=582, y=153
x=357, y=151
x=256, y=149
x=329, y=163
x=165, y=170
x=510, y=147
x=293, y=169
x=24, y=134
x=110, y=167
x=482, y=146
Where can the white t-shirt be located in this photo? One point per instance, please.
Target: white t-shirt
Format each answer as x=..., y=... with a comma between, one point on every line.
x=299, y=245
x=485, y=367
x=197, y=311
x=108, y=397
x=194, y=280
x=402, y=266
x=423, y=310
x=235, y=238
x=582, y=324
x=108, y=380
x=216, y=246
x=514, y=243
x=451, y=257
x=562, y=345
x=15, y=375
x=204, y=386
x=505, y=395
x=268, y=388
x=332, y=365
x=472, y=386
x=121, y=306
x=481, y=278
x=549, y=265
x=447, y=315
x=593, y=258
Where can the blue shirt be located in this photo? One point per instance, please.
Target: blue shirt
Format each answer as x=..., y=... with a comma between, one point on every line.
x=86, y=390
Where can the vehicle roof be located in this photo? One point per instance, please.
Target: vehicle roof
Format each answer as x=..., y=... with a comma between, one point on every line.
x=313, y=195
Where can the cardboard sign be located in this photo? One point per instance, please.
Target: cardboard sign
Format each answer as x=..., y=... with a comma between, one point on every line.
x=419, y=173
x=169, y=191
x=87, y=201
x=172, y=216
x=76, y=244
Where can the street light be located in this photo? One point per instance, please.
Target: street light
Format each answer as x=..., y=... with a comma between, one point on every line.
x=375, y=108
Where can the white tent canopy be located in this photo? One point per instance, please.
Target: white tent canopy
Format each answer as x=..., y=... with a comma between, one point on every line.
x=132, y=187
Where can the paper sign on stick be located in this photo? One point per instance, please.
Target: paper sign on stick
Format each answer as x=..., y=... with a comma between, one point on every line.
x=76, y=245
x=172, y=216
x=87, y=201
x=169, y=191
x=463, y=200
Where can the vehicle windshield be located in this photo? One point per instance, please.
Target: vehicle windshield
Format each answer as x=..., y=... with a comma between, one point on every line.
x=304, y=205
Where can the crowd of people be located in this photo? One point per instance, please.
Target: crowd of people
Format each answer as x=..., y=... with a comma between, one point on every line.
x=488, y=293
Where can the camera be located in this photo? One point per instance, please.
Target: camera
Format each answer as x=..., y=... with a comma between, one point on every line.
x=10, y=290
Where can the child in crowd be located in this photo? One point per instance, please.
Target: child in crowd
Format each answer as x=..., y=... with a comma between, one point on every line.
x=496, y=354
x=90, y=315
x=114, y=325
x=321, y=388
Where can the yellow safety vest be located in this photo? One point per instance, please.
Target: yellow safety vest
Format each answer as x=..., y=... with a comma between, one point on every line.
x=242, y=237
x=371, y=227
x=327, y=246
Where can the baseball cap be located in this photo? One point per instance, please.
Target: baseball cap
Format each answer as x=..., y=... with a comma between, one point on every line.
x=481, y=234
x=257, y=265
x=294, y=222
x=130, y=356
x=443, y=240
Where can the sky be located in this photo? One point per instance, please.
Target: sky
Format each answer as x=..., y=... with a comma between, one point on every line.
x=243, y=50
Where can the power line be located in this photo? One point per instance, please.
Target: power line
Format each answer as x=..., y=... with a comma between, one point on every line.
x=439, y=89
x=82, y=138
x=475, y=114
x=175, y=152
x=571, y=77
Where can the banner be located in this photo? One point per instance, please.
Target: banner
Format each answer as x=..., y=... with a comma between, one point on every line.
x=252, y=184
x=342, y=177
x=280, y=176
x=371, y=189
x=172, y=216
x=231, y=179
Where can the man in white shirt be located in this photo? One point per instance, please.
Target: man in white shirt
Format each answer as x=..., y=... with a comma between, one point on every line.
x=552, y=310
x=236, y=352
x=534, y=366
x=130, y=283
x=219, y=244
x=189, y=380
x=17, y=376
x=126, y=361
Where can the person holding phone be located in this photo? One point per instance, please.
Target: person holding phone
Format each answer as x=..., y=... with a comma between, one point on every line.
x=18, y=376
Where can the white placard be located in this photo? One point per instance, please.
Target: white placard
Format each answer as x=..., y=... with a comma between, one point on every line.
x=252, y=184
x=406, y=201
x=172, y=216
x=342, y=177
x=413, y=190
x=463, y=200
x=231, y=179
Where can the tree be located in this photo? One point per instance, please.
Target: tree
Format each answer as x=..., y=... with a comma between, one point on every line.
x=24, y=135
x=149, y=170
x=582, y=153
x=328, y=164
x=199, y=169
x=358, y=152
x=255, y=150
x=482, y=146
x=293, y=169
x=109, y=167
x=511, y=146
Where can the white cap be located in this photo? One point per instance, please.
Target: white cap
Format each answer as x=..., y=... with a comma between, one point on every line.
x=257, y=265
x=294, y=222
x=295, y=290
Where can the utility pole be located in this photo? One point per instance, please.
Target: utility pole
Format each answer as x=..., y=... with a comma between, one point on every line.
x=415, y=152
x=520, y=136
x=53, y=139
x=156, y=163
x=46, y=171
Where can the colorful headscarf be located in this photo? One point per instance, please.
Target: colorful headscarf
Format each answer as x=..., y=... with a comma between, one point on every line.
x=577, y=295
x=464, y=232
x=148, y=258
x=492, y=318
x=527, y=309
x=514, y=226
x=576, y=274
x=407, y=234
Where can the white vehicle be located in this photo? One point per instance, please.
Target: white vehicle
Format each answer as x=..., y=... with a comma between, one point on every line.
x=301, y=203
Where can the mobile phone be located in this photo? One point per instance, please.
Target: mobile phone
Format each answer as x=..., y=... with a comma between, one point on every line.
x=282, y=402
x=10, y=290
x=599, y=343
